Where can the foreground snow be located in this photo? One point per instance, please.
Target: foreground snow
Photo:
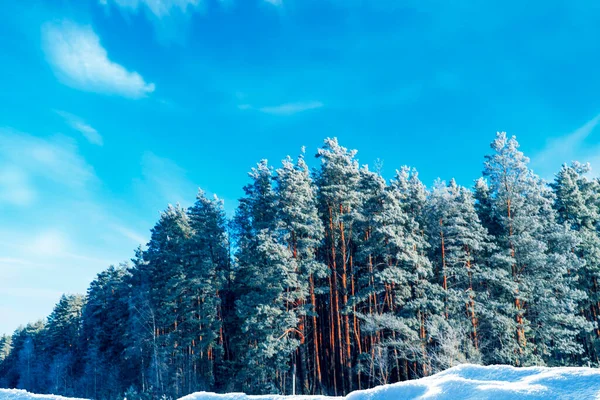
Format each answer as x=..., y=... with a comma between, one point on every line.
x=18, y=394
x=469, y=382
x=462, y=382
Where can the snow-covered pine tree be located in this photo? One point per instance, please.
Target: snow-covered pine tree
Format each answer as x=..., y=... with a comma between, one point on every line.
x=266, y=285
x=302, y=231
x=423, y=308
x=107, y=372
x=61, y=343
x=5, y=346
x=337, y=180
x=539, y=323
x=166, y=267
x=578, y=206
x=459, y=249
x=206, y=265
x=383, y=283
x=5, y=352
x=26, y=366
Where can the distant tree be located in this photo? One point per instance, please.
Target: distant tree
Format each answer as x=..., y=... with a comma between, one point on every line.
x=104, y=333
x=61, y=344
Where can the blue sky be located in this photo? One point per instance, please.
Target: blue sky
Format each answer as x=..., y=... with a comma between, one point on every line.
x=111, y=109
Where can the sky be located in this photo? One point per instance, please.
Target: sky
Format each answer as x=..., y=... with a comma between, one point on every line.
x=112, y=109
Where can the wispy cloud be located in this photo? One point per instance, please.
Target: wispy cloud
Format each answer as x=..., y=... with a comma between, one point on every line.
x=132, y=235
x=15, y=187
x=82, y=127
x=284, y=109
x=79, y=61
x=159, y=8
x=568, y=148
x=51, y=243
x=291, y=108
x=27, y=161
x=166, y=179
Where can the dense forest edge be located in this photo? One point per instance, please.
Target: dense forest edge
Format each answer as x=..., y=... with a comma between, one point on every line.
x=338, y=278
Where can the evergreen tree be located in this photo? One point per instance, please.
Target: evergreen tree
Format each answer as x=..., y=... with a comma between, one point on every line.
x=207, y=263
x=423, y=307
x=166, y=266
x=104, y=330
x=61, y=343
x=460, y=246
x=578, y=207
x=302, y=232
x=26, y=367
x=337, y=180
x=389, y=258
x=266, y=286
x=5, y=347
x=528, y=253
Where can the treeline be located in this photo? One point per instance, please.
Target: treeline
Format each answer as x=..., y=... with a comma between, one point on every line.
x=339, y=276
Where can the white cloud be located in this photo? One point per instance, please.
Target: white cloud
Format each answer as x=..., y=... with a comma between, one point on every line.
x=291, y=108
x=80, y=125
x=79, y=61
x=55, y=159
x=565, y=149
x=284, y=109
x=160, y=8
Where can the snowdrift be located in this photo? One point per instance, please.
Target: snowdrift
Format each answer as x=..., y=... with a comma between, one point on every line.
x=462, y=382
x=17, y=394
x=468, y=382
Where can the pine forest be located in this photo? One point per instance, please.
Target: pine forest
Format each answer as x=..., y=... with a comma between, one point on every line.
x=334, y=279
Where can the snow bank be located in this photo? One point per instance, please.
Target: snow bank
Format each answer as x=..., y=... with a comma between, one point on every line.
x=468, y=382
x=463, y=382
x=17, y=394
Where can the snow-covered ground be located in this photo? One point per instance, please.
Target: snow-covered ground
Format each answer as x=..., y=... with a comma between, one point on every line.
x=469, y=382
x=17, y=394
x=462, y=382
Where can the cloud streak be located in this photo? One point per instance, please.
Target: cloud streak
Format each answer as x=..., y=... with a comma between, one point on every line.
x=166, y=179
x=15, y=187
x=566, y=149
x=160, y=8
x=27, y=162
x=284, y=109
x=78, y=60
x=82, y=127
